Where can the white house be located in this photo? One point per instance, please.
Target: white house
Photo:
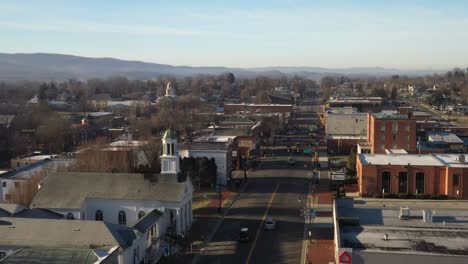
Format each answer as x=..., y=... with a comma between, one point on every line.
x=10, y=181
x=26, y=240
x=220, y=148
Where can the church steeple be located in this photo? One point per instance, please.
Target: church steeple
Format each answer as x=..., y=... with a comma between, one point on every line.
x=170, y=156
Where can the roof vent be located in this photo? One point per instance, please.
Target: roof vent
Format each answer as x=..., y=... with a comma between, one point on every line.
x=12, y=226
x=427, y=216
x=76, y=229
x=404, y=213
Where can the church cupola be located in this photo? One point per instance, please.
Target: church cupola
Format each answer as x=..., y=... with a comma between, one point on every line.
x=170, y=156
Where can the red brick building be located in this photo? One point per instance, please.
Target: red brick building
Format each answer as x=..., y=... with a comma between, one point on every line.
x=390, y=131
x=426, y=174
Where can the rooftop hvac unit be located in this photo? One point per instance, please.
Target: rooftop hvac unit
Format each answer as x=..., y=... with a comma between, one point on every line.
x=404, y=213
x=427, y=216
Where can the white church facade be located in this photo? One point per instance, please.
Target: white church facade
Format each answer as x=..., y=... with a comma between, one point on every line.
x=123, y=198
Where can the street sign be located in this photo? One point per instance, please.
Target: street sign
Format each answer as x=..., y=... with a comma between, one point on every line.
x=338, y=176
x=345, y=256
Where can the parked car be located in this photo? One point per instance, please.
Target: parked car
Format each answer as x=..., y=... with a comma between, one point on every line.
x=270, y=224
x=291, y=162
x=244, y=235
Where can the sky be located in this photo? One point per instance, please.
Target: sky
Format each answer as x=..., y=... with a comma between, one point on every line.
x=412, y=34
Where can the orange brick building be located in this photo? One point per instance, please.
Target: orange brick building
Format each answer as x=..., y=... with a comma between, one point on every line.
x=390, y=131
x=427, y=174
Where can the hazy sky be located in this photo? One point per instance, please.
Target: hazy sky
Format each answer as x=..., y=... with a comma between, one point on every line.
x=245, y=33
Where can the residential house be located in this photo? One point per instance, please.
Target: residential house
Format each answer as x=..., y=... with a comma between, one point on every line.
x=98, y=102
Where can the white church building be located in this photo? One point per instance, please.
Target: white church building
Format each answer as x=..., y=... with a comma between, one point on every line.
x=123, y=198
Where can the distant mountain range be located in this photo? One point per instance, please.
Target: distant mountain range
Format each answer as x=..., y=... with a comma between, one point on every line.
x=46, y=67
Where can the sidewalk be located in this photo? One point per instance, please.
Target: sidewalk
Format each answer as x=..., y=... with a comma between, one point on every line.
x=321, y=248
x=205, y=216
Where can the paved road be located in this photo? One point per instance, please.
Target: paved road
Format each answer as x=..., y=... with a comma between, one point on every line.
x=277, y=193
x=276, y=190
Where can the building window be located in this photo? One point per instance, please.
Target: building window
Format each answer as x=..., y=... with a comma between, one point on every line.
x=403, y=182
x=394, y=137
x=16, y=184
x=382, y=128
x=17, y=164
x=382, y=137
x=420, y=182
x=122, y=218
x=456, y=179
x=70, y=216
x=172, y=149
x=168, y=149
x=382, y=146
x=386, y=182
x=407, y=128
x=407, y=138
x=7, y=197
x=395, y=127
x=4, y=184
x=99, y=216
x=141, y=214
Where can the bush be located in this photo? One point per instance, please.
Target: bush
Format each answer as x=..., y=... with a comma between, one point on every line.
x=402, y=196
x=376, y=195
x=352, y=180
x=420, y=196
x=441, y=197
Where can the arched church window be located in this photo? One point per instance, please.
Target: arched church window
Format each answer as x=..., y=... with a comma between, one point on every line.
x=122, y=218
x=141, y=214
x=99, y=216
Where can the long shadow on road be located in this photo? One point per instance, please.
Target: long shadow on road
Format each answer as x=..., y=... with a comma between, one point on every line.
x=282, y=245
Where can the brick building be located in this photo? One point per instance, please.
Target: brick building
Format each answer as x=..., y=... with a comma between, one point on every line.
x=426, y=174
x=258, y=108
x=391, y=131
x=362, y=104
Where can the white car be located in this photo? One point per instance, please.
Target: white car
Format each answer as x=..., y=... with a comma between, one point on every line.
x=270, y=224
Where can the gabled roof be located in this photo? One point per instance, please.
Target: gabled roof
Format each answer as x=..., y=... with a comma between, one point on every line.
x=68, y=190
x=148, y=220
x=38, y=213
x=280, y=99
x=51, y=256
x=51, y=233
x=11, y=208
x=101, y=97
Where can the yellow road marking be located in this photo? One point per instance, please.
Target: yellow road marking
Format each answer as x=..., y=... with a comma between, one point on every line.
x=261, y=225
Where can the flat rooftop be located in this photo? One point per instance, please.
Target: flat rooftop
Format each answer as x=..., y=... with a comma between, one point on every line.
x=399, y=159
x=449, y=160
x=446, y=234
x=214, y=139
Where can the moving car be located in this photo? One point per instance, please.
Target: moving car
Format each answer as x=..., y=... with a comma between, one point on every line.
x=244, y=235
x=270, y=224
x=291, y=162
